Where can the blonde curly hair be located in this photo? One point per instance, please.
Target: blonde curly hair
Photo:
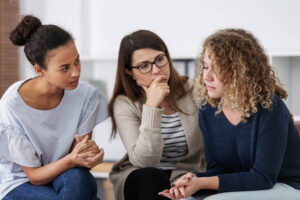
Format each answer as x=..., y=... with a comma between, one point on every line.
x=242, y=65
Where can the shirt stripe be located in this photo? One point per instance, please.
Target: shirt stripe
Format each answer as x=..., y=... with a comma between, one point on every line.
x=175, y=146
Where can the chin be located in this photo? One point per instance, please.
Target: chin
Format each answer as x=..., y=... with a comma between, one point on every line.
x=71, y=87
x=214, y=96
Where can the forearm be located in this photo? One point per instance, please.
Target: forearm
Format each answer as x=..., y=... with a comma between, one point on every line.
x=141, y=136
x=211, y=183
x=45, y=174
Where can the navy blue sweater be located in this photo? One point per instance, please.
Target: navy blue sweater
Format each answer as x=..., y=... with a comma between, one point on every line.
x=253, y=155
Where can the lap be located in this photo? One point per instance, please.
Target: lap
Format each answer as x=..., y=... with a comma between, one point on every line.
x=75, y=181
x=27, y=191
x=278, y=192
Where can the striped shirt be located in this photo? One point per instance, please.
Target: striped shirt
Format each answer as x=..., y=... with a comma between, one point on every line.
x=175, y=146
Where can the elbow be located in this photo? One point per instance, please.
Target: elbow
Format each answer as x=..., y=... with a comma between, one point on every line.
x=267, y=183
x=35, y=182
x=145, y=158
x=144, y=161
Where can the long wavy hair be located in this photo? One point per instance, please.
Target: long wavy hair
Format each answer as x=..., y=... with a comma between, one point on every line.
x=124, y=83
x=241, y=64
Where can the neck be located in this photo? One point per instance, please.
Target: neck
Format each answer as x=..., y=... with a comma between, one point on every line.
x=43, y=88
x=166, y=106
x=233, y=115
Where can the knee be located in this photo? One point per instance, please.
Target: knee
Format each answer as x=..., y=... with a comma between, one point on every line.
x=150, y=175
x=221, y=196
x=78, y=178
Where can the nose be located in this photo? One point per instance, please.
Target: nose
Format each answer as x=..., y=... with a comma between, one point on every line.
x=75, y=71
x=208, y=75
x=155, y=69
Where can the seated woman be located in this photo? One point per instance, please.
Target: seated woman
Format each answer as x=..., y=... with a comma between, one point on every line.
x=153, y=110
x=252, y=146
x=40, y=117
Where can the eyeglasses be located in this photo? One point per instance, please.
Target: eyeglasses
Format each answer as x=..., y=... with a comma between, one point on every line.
x=146, y=67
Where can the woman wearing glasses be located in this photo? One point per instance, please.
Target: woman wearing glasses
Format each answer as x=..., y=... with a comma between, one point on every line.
x=153, y=110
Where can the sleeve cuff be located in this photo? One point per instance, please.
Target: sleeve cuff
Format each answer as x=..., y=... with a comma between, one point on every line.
x=151, y=117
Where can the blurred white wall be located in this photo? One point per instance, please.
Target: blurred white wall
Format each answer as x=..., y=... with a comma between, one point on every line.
x=99, y=25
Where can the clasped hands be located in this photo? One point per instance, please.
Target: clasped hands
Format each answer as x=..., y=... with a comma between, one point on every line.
x=184, y=187
x=86, y=153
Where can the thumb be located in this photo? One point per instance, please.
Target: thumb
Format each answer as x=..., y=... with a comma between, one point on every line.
x=145, y=88
x=78, y=138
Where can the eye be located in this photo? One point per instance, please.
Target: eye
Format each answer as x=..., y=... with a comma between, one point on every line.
x=144, y=65
x=205, y=67
x=160, y=58
x=64, y=69
x=77, y=61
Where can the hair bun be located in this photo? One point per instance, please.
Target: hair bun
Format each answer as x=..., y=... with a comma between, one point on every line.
x=21, y=34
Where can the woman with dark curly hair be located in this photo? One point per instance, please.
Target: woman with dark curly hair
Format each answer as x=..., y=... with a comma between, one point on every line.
x=252, y=146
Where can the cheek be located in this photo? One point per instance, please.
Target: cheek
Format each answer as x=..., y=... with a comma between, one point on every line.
x=143, y=80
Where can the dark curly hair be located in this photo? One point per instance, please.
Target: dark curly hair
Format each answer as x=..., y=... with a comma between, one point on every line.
x=241, y=64
x=38, y=39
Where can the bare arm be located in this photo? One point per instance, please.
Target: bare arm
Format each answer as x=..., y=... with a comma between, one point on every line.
x=79, y=157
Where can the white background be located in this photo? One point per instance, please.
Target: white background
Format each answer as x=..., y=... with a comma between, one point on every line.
x=99, y=25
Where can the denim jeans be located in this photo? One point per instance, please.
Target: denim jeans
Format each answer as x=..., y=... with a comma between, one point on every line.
x=280, y=191
x=74, y=184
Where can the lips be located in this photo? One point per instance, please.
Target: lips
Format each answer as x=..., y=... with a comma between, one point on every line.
x=210, y=87
x=74, y=83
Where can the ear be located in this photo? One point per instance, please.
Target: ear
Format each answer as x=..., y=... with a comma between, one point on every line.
x=38, y=70
x=129, y=72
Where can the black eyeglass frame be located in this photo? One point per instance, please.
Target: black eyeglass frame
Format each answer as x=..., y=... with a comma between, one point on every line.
x=152, y=63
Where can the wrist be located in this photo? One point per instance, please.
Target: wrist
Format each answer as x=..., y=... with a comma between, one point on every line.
x=211, y=183
x=150, y=104
x=69, y=161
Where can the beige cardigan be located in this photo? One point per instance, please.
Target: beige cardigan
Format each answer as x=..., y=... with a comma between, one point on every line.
x=139, y=129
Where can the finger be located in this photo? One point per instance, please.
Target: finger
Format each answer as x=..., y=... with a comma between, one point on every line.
x=181, y=183
x=89, y=151
x=162, y=84
x=182, y=191
x=164, y=191
x=97, y=158
x=167, y=92
x=176, y=192
x=160, y=78
x=78, y=138
x=172, y=192
x=190, y=176
x=145, y=88
x=92, y=150
x=81, y=146
x=84, y=140
x=165, y=194
x=91, y=145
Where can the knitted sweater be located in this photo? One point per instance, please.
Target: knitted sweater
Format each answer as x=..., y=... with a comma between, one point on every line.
x=253, y=155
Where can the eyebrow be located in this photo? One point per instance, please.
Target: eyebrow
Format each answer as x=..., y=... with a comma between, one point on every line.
x=66, y=65
x=149, y=61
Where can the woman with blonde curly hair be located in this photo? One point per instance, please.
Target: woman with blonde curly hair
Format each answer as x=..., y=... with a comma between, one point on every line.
x=252, y=146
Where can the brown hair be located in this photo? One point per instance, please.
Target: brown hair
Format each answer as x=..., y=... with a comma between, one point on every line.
x=125, y=85
x=242, y=65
